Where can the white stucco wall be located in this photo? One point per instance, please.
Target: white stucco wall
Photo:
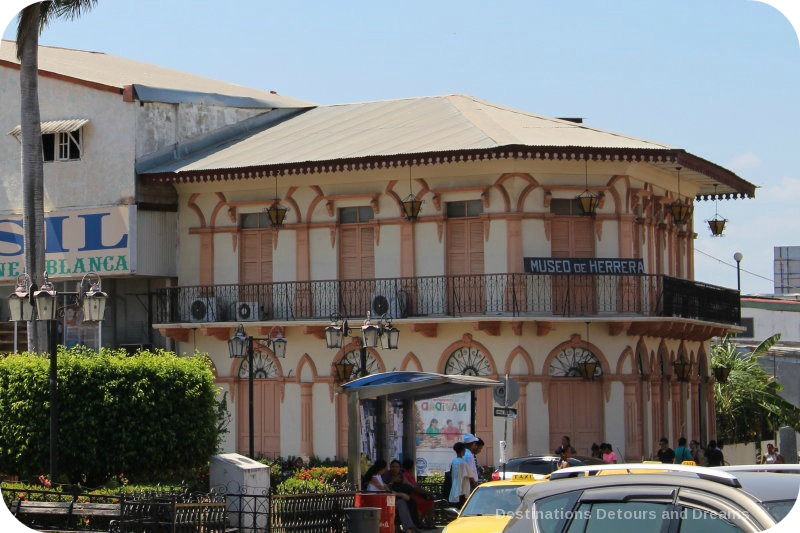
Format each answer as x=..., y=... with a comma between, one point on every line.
x=105, y=173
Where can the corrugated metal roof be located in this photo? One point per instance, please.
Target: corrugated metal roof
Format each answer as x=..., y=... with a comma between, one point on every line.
x=55, y=126
x=390, y=132
x=393, y=127
x=113, y=71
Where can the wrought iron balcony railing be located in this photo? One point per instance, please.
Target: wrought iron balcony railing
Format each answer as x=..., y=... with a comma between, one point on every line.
x=451, y=296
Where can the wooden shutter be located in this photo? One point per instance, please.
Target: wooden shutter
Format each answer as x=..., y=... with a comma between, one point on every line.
x=255, y=257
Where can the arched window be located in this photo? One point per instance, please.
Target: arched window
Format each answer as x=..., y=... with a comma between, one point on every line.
x=565, y=363
x=354, y=358
x=263, y=367
x=467, y=361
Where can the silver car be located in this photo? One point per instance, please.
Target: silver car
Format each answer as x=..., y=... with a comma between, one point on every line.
x=670, y=498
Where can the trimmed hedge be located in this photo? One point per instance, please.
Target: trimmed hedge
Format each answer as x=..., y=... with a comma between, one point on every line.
x=151, y=416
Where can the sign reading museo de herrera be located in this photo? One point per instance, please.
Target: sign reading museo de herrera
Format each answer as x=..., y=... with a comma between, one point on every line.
x=76, y=242
x=583, y=265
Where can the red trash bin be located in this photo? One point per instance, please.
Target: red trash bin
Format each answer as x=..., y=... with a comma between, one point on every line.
x=385, y=501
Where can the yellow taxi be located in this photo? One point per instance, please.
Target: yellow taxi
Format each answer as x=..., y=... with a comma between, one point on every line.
x=490, y=506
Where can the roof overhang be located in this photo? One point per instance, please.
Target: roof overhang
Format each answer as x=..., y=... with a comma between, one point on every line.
x=697, y=169
x=55, y=126
x=403, y=385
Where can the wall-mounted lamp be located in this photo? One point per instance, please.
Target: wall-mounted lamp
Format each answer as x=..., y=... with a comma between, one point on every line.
x=682, y=368
x=721, y=373
x=716, y=223
x=587, y=199
x=411, y=205
x=276, y=212
x=681, y=211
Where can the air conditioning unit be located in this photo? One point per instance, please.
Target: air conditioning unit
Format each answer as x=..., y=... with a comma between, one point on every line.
x=392, y=303
x=202, y=309
x=246, y=311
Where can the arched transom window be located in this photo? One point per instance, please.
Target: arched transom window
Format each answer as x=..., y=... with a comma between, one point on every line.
x=565, y=363
x=263, y=367
x=354, y=358
x=467, y=361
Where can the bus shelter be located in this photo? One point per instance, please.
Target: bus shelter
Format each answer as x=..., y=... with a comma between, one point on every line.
x=403, y=386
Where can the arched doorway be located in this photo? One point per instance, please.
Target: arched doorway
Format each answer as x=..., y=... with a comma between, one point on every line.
x=471, y=360
x=575, y=404
x=266, y=406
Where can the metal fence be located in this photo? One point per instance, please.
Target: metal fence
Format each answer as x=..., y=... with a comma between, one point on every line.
x=451, y=296
x=285, y=513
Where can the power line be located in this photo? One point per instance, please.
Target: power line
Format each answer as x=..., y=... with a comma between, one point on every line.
x=732, y=265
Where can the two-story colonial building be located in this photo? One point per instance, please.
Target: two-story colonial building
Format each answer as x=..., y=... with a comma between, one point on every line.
x=502, y=271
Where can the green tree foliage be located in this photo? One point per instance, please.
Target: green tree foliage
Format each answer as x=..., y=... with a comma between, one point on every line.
x=152, y=416
x=747, y=404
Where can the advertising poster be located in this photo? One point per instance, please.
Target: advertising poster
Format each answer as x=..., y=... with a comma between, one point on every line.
x=440, y=423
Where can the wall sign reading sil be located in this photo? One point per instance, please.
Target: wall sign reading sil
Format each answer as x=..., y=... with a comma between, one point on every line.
x=77, y=241
x=583, y=265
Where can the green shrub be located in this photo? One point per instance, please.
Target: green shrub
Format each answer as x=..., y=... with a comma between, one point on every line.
x=303, y=486
x=152, y=416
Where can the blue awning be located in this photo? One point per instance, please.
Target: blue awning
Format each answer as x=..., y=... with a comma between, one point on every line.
x=401, y=385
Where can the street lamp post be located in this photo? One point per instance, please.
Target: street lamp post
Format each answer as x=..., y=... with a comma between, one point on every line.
x=372, y=333
x=738, y=258
x=241, y=345
x=21, y=304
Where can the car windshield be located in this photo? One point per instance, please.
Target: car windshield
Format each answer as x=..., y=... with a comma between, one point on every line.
x=496, y=500
x=779, y=509
x=532, y=466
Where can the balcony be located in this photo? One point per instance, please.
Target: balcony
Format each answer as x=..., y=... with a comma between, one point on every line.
x=486, y=295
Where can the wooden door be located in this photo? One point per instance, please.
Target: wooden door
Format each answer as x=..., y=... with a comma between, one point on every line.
x=576, y=409
x=255, y=268
x=266, y=417
x=465, y=266
x=573, y=295
x=356, y=268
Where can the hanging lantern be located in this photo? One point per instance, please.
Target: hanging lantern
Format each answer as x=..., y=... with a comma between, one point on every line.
x=716, y=223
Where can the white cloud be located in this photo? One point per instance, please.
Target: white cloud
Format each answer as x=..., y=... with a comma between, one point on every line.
x=745, y=161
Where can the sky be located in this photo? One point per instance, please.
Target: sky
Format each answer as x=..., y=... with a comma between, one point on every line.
x=718, y=78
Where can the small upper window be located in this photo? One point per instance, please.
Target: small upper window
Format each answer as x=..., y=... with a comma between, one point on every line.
x=64, y=146
x=62, y=140
x=254, y=221
x=468, y=208
x=354, y=215
x=564, y=206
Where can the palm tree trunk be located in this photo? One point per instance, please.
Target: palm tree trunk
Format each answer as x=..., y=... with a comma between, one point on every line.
x=32, y=163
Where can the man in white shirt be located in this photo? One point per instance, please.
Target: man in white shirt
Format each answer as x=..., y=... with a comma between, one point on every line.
x=459, y=474
x=470, y=441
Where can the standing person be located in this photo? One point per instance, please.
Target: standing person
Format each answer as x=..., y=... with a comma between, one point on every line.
x=478, y=448
x=714, y=455
x=770, y=457
x=565, y=445
x=665, y=453
x=682, y=453
x=697, y=453
x=608, y=453
x=596, y=453
x=459, y=475
x=469, y=458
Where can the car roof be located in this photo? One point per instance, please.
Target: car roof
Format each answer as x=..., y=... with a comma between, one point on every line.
x=505, y=482
x=713, y=474
x=770, y=486
x=773, y=467
x=686, y=481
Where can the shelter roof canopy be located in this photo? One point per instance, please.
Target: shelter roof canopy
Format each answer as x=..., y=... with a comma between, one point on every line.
x=401, y=385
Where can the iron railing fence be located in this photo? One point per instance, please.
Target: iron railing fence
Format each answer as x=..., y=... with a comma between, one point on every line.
x=284, y=513
x=516, y=295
